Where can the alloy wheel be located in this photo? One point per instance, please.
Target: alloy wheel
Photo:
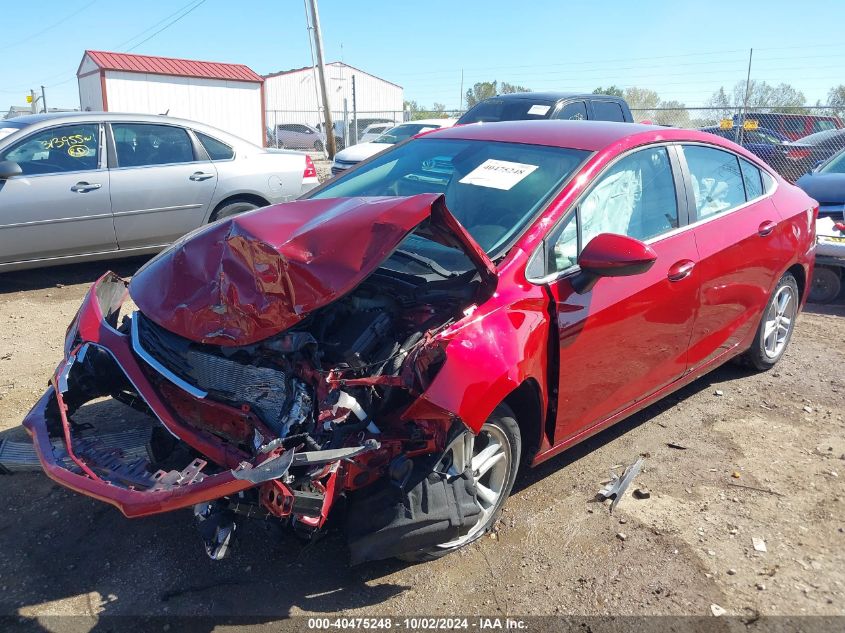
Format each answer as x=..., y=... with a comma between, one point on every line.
x=780, y=318
x=488, y=455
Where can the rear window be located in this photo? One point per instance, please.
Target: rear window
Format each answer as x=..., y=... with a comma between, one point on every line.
x=217, y=150
x=752, y=178
x=607, y=111
x=822, y=125
x=491, y=110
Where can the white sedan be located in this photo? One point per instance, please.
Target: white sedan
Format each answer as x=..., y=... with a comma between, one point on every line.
x=351, y=156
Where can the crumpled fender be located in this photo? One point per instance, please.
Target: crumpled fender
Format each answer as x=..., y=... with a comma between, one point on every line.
x=488, y=356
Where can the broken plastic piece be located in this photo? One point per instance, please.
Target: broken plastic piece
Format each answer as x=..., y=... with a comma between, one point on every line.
x=273, y=468
x=618, y=485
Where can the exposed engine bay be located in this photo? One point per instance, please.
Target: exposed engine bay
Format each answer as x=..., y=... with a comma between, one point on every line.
x=243, y=417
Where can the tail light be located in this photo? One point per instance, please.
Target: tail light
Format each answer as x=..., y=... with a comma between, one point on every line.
x=310, y=170
x=799, y=154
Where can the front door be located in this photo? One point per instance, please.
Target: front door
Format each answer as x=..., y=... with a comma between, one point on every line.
x=60, y=205
x=162, y=184
x=628, y=336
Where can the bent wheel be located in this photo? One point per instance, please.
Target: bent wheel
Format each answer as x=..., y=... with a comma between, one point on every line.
x=493, y=456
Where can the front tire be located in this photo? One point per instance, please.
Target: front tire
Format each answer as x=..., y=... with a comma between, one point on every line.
x=494, y=456
x=776, y=326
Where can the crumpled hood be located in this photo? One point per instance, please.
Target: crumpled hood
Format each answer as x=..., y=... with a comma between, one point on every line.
x=251, y=276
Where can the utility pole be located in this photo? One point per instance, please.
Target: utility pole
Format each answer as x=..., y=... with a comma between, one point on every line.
x=33, y=102
x=747, y=94
x=354, y=112
x=43, y=100
x=321, y=69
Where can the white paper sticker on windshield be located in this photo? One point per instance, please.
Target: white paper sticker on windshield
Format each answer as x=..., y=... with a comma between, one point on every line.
x=497, y=174
x=539, y=110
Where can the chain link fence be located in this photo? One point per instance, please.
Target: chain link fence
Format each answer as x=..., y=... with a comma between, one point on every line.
x=793, y=141
x=303, y=129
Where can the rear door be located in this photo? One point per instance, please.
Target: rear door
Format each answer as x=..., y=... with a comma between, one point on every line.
x=572, y=111
x=60, y=205
x=628, y=336
x=740, y=247
x=162, y=184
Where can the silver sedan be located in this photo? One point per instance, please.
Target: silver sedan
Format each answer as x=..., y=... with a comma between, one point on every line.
x=86, y=186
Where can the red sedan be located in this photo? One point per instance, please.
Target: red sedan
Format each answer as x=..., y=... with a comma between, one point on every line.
x=406, y=336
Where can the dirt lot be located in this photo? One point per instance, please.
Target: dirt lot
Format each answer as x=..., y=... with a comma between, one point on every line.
x=764, y=457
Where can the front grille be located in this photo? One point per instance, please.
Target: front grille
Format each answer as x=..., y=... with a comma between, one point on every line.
x=204, y=367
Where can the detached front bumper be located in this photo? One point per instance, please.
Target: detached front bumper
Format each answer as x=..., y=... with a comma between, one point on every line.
x=78, y=460
x=186, y=492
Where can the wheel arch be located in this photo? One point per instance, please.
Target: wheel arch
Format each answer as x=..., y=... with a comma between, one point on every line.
x=252, y=198
x=526, y=402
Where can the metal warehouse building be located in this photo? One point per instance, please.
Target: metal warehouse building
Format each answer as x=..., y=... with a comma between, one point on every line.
x=291, y=96
x=227, y=96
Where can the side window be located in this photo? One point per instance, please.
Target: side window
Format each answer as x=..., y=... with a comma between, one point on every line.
x=635, y=197
x=57, y=150
x=752, y=179
x=768, y=181
x=716, y=180
x=576, y=110
x=141, y=144
x=217, y=150
x=795, y=125
x=562, y=246
x=607, y=111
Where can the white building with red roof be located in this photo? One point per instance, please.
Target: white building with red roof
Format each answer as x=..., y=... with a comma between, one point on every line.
x=227, y=96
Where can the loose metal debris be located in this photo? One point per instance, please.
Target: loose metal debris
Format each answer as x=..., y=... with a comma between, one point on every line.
x=617, y=486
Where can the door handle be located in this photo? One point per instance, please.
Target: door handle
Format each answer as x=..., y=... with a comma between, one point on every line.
x=84, y=187
x=766, y=228
x=199, y=176
x=680, y=270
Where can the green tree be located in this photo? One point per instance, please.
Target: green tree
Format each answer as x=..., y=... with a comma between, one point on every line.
x=480, y=91
x=612, y=91
x=719, y=106
x=507, y=88
x=836, y=99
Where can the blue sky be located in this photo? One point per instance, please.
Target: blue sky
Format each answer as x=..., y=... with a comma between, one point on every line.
x=682, y=50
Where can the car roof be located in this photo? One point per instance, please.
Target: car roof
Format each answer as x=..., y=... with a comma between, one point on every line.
x=551, y=95
x=441, y=121
x=585, y=135
x=82, y=117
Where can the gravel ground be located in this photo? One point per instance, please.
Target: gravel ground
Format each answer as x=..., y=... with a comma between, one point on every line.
x=763, y=457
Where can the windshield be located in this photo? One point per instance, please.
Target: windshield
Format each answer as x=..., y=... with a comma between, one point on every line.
x=494, y=109
x=494, y=189
x=835, y=165
x=401, y=132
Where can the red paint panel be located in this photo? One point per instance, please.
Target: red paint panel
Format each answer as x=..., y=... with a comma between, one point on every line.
x=625, y=338
x=246, y=278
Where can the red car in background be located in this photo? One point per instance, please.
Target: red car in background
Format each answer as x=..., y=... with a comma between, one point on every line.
x=406, y=336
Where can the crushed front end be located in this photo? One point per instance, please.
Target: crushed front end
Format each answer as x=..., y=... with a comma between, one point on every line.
x=282, y=427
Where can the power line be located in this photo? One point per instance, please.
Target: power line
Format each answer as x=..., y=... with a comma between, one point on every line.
x=168, y=25
x=47, y=28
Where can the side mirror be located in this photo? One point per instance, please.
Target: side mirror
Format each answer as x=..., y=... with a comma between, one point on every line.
x=611, y=255
x=8, y=169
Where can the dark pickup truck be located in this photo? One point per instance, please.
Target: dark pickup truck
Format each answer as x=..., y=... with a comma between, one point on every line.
x=520, y=106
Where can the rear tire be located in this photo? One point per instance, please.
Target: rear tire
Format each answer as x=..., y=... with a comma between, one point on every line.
x=825, y=286
x=776, y=325
x=497, y=479
x=233, y=207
